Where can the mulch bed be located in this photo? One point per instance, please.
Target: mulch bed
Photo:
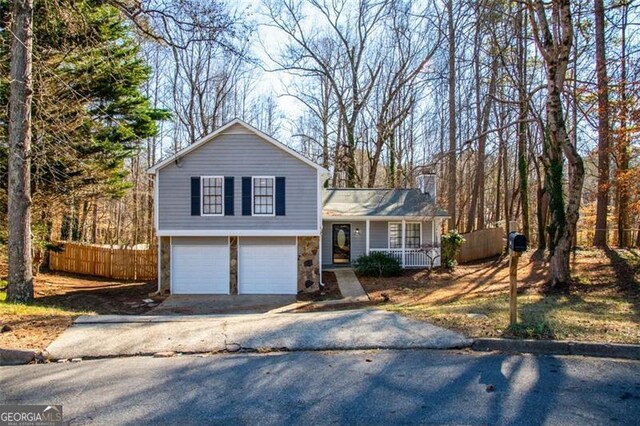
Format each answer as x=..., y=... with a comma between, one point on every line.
x=331, y=291
x=93, y=294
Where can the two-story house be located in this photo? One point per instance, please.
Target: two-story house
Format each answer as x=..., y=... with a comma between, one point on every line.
x=240, y=213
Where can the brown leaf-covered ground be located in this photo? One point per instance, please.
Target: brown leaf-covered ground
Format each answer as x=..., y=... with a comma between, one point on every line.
x=59, y=298
x=603, y=305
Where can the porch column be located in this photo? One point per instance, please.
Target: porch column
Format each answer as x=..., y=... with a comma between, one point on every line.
x=404, y=226
x=433, y=242
x=366, y=236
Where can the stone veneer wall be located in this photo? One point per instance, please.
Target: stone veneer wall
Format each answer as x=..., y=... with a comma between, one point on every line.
x=165, y=265
x=308, y=264
x=233, y=265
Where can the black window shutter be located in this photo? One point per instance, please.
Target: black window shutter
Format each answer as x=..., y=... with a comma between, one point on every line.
x=195, y=196
x=228, y=196
x=280, y=196
x=246, y=196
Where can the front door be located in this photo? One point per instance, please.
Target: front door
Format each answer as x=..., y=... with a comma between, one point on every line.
x=341, y=243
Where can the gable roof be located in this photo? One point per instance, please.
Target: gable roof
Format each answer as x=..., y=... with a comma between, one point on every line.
x=349, y=202
x=222, y=129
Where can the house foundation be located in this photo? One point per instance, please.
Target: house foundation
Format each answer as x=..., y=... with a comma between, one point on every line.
x=165, y=265
x=308, y=264
x=233, y=265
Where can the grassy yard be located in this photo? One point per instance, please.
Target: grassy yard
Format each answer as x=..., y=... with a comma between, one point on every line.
x=604, y=303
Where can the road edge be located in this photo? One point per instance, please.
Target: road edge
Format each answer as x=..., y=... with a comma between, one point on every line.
x=558, y=347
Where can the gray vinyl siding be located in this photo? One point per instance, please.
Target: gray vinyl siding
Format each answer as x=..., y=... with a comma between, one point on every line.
x=358, y=242
x=426, y=232
x=238, y=155
x=379, y=235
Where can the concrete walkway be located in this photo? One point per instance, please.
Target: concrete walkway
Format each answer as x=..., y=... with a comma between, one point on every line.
x=350, y=287
x=121, y=335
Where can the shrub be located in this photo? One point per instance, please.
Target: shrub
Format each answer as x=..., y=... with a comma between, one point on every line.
x=378, y=264
x=451, y=243
x=537, y=330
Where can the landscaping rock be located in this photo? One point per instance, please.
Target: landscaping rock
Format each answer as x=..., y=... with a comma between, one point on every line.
x=16, y=356
x=76, y=359
x=167, y=354
x=5, y=328
x=477, y=316
x=233, y=347
x=43, y=357
x=148, y=300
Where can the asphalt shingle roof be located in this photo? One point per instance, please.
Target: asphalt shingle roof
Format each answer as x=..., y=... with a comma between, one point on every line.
x=340, y=202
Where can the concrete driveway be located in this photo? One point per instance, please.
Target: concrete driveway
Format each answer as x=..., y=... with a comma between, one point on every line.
x=205, y=304
x=121, y=335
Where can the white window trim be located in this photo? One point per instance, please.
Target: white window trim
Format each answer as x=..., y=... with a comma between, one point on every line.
x=253, y=213
x=202, y=178
x=405, y=234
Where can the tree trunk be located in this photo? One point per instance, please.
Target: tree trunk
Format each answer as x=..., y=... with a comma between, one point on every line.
x=602, y=201
x=563, y=222
x=452, y=119
x=542, y=204
x=554, y=39
x=20, y=288
x=523, y=164
x=622, y=187
x=503, y=162
x=473, y=206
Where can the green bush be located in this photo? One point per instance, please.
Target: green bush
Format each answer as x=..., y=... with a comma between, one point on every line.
x=451, y=243
x=538, y=330
x=378, y=264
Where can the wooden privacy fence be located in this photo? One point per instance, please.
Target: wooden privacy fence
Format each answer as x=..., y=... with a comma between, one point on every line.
x=482, y=244
x=118, y=263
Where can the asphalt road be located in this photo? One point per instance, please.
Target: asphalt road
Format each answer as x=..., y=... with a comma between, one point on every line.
x=353, y=387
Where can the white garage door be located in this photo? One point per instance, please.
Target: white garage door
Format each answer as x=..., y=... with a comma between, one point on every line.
x=200, y=266
x=267, y=265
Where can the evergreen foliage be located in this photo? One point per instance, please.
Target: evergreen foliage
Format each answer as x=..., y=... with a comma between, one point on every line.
x=378, y=264
x=451, y=243
x=89, y=112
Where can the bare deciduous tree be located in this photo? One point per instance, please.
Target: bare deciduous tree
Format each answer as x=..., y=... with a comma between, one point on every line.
x=554, y=38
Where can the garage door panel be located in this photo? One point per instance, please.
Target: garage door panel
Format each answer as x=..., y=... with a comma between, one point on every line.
x=200, y=241
x=200, y=269
x=268, y=266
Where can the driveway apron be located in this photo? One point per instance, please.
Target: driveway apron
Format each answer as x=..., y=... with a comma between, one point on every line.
x=122, y=335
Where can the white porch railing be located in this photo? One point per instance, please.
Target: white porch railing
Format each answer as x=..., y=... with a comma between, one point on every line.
x=413, y=258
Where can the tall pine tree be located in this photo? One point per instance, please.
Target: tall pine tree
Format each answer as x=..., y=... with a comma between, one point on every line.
x=89, y=113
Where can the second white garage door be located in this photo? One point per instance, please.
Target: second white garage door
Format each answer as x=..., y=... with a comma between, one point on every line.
x=199, y=265
x=267, y=265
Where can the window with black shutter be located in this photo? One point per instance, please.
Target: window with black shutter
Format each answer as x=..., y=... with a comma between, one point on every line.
x=212, y=195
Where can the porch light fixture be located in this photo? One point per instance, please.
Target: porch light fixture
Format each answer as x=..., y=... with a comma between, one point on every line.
x=357, y=231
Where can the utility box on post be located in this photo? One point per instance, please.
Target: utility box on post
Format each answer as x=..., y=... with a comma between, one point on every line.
x=517, y=242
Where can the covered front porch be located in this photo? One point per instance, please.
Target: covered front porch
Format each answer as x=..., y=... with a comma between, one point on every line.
x=414, y=241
